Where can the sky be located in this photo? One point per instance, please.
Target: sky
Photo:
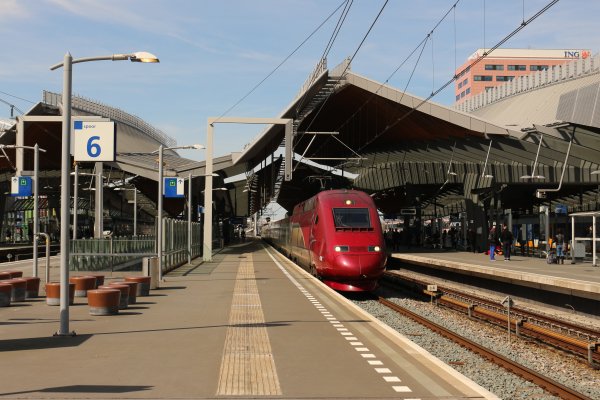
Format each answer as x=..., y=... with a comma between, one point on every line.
x=213, y=53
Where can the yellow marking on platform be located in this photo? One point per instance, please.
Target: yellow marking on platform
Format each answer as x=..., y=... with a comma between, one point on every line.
x=247, y=367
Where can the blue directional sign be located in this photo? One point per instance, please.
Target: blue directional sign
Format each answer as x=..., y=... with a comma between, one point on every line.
x=173, y=187
x=560, y=209
x=20, y=186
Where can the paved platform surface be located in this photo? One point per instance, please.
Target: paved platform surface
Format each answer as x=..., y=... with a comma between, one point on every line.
x=247, y=325
x=582, y=277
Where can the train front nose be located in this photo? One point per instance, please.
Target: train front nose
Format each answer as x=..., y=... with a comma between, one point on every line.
x=355, y=272
x=361, y=265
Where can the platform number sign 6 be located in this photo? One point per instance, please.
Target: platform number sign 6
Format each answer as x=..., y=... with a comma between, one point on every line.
x=93, y=148
x=94, y=140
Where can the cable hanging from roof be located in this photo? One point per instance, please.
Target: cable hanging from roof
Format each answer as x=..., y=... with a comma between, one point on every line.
x=332, y=39
x=476, y=61
x=281, y=63
x=349, y=62
x=337, y=28
x=420, y=45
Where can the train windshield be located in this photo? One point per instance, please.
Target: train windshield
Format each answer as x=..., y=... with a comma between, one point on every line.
x=351, y=218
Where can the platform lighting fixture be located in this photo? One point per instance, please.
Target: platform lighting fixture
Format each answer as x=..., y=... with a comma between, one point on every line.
x=450, y=172
x=67, y=65
x=533, y=175
x=216, y=189
x=484, y=175
x=596, y=172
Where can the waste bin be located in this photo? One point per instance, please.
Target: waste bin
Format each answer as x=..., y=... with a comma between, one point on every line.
x=150, y=268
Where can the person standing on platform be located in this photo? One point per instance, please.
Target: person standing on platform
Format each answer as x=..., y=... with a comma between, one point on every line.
x=507, y=239
x=493, y=240
x=559, y=239
x=472, y=240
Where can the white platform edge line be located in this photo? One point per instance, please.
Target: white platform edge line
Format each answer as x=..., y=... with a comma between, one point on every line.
x=449, y=370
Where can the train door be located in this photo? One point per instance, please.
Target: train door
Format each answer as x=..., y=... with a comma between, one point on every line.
x=315, y=243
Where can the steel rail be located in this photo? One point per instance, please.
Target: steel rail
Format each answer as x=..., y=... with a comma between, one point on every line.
x=521, y=320
x=546, y=383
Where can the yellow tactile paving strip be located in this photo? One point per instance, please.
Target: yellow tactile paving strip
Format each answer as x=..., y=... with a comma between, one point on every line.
x=247, y=367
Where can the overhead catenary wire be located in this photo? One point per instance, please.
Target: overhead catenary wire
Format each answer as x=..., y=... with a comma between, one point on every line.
x=17, y=97
x=332, y=39
x=281, y=63
x=337, y=28
x=420, y=45
x=349, y=61
x=475, y=62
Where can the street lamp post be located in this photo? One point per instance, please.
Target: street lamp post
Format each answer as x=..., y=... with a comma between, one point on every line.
x=189, y=219
x=36, y=207
x=66, y=65
x=75, y=199
x=159, y=227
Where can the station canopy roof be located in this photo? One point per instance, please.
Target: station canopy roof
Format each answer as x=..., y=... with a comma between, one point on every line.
x=136, y=152
x=409, y=152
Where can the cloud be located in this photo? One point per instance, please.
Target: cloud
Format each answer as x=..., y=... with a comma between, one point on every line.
x=13, y=9
x=116, y=12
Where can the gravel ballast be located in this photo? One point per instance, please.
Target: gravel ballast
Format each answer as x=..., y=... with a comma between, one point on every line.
x=561, y=367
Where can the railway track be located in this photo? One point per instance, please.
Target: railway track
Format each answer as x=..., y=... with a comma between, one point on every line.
x=548, y=384
x=576, y=339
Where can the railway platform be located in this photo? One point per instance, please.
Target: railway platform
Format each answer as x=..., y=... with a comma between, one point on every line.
x=575, y=284
x=249, y=324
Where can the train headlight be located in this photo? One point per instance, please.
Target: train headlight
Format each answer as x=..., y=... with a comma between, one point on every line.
x=375, y=248
x=341, y=249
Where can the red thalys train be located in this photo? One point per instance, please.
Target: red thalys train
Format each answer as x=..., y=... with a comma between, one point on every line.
x=335, y=235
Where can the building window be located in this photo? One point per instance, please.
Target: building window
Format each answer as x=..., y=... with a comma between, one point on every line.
x=465, y=81
x=538, y=67
x=468, y=91
x=517, y=67
x=462, y=94
x=494, y=67
x=488, y=88
x=460, y=84
x=483, y=78
x=502, y=78
x=458, y=97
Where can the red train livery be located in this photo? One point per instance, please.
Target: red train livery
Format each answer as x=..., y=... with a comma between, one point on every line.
x=335, y=235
